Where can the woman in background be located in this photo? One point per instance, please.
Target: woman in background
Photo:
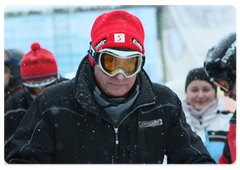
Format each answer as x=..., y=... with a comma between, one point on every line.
x=205, y=111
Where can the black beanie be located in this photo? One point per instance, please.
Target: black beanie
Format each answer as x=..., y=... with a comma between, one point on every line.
x=198, y=74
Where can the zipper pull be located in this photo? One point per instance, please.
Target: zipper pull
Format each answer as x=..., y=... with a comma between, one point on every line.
x=116, y=135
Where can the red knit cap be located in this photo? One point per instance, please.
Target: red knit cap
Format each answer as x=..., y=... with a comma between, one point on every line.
x=117, y=29
x=38, y=65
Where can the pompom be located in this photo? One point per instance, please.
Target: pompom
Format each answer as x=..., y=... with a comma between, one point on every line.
x=35, y=46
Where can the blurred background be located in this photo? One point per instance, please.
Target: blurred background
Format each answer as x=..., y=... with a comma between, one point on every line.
x=177, y=37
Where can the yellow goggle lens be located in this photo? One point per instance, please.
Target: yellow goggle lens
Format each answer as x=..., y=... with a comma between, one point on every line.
x=112, y=64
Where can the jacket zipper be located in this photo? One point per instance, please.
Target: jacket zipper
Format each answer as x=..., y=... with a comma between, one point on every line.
x=116, y=135
x=116, y=131
x=116, y=144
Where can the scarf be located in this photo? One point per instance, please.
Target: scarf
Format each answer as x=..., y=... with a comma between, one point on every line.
x=205, y=111
x=115, y=107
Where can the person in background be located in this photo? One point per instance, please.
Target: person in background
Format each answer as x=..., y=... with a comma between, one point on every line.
x=110, y=112
x=220, y=66
x=12, y=77
x=38, y=71
x=205, y=111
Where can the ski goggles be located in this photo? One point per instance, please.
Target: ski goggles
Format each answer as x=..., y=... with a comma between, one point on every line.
x=224, y=82
x=12, y=61
x=113, y=62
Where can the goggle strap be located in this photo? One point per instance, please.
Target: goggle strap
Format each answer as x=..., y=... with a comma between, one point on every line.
x=92, y=52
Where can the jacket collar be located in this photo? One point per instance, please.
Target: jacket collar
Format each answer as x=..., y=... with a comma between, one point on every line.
x=84, y=94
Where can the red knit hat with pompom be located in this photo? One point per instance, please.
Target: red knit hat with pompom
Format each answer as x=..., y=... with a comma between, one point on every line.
x=38, y=67
x=117, y=29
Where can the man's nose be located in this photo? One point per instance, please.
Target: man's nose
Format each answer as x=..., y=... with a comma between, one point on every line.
x=120, y=76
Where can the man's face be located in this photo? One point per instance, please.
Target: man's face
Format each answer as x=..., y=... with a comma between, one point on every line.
x=232, y=93
x=115, y=86
x=35, y=91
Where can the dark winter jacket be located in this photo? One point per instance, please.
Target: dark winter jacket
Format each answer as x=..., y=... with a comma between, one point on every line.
x=15, y=108
x=229, y=150
x=66, y=125
x=13, y=111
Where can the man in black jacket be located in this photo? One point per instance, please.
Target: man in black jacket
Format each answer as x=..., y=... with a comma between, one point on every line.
x=38, y=71
x=110, y=112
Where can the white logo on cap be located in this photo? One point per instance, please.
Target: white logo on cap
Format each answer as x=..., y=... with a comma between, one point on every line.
x=118, y=38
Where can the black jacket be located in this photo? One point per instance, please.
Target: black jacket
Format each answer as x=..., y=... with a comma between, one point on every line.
x=15, y=108
x=66, y=125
